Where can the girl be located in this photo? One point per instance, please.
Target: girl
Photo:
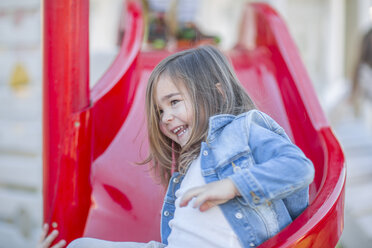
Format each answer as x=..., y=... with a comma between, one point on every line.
x=234, y=178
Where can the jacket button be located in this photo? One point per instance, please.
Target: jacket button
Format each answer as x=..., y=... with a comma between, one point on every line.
x=205, y=153
x=237, y=168
x=176, y=180
x=238, y=215
x=251, y=244
x=166, y=213
x=256, y=199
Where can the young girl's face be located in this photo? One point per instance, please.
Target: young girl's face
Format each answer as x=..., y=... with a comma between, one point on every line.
x=176, y=110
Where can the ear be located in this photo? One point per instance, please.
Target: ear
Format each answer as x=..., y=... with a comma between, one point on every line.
x=219, y=88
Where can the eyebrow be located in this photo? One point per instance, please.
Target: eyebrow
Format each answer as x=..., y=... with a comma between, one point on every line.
x=169, y=96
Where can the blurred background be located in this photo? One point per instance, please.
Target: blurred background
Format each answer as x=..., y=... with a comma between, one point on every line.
x=328, y=34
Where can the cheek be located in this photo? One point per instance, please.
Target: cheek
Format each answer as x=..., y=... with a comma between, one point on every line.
x=163, y=129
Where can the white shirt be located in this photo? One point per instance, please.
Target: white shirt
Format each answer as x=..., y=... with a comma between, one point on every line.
x=192, y=228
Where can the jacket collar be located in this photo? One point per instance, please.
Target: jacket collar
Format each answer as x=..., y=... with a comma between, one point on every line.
x=218, y=121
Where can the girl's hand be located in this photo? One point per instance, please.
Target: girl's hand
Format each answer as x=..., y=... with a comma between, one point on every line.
x=210, y=195
x=45, y=241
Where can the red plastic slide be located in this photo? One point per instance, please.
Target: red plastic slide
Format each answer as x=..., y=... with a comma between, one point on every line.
x=94, y=138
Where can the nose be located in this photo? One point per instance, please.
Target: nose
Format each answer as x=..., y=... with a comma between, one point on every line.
x=167, y=117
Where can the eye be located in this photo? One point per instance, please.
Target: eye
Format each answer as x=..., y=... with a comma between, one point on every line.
x=174, y=102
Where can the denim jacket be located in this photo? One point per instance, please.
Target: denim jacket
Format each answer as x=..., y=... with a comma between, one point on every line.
x=271, y=174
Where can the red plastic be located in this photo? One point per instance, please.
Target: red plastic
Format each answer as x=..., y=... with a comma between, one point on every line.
x=126, y=200
x=113, y=94
x=66, y=116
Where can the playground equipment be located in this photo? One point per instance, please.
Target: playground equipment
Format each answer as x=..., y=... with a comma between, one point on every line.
x=93, y=138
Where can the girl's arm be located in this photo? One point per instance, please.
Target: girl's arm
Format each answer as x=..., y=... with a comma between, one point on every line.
x=280, y=168
x=210, y=195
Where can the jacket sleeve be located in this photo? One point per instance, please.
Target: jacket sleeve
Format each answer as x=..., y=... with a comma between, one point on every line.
x=280, y=168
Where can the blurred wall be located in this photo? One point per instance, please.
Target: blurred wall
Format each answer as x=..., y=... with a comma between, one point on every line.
x=328, y=34
x=20, y=123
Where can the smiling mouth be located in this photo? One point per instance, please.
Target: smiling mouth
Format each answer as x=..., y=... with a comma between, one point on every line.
x=180, y=130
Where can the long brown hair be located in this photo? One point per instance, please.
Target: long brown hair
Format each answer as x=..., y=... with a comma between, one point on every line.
x=199, y=70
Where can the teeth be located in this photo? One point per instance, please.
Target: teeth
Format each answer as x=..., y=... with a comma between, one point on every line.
x=183, y=131
x=177, y=129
